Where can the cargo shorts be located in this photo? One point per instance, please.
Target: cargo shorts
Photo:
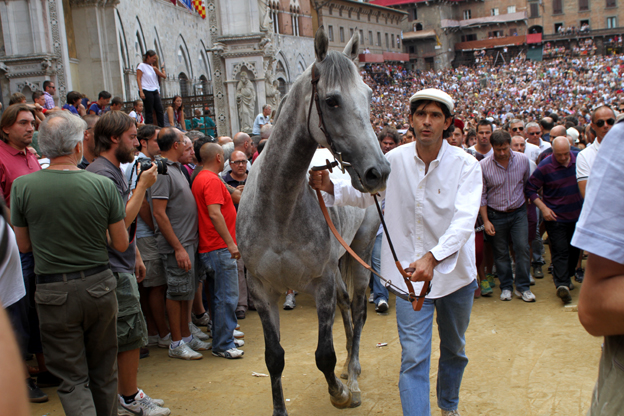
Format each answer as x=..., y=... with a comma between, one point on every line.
x=181, y=284
x=131, y=326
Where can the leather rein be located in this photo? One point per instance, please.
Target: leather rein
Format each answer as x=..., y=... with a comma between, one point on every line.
x=416, y=301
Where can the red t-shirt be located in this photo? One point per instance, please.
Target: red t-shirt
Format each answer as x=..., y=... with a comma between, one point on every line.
x=13, y=164
x=208, y=189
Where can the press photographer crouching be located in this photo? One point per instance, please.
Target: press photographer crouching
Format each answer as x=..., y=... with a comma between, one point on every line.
x=62, y=215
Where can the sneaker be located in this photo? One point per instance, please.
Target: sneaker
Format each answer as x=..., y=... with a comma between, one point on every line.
x=531, y=280
x=537, y=272
x=141, y=405
x=239, y=343
x=47, y=379
x=203, y=321
x=157, y=402
x=231, y=353
x=164, y=342
x=579, y=275
x=564, y=293
x=198, y=333
x=505, y=295
x=526, y=296
x=238, y=334
x=290, y=302
x=198, y=345
x=152, y=340
x=35, y=395
x=550, y=269
x=490, y=280
x=371, y=298
x=382, y=306
x=184, y=352
x=486, y=289
x=450, y=412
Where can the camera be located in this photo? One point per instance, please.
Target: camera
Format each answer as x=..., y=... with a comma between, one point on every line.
x=146, y=163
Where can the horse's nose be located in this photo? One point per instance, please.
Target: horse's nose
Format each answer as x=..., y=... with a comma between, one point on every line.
x=374, y=179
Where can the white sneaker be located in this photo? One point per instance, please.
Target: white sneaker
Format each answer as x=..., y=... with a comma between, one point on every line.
x=526, y=296
x=152, y=340
x=231, y=353
x=290, y=301
x=238, y=334
x=371, y=298
x=382, y=306
x=184, y=352
x=203, y=321
x=450, y=412
x=198, y=333
x=531, y=280
x=505, y=295
x=198, y=345
x=239, y=342
x=141, y=405
x=164, y=342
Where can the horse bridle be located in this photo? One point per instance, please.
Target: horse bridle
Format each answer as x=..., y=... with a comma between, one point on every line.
x=410, y=296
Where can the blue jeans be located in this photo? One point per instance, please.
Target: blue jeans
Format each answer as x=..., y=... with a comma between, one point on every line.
x=223, y=286
x=514, y=227
x=453, y=316
x=537, y=244
x=379, y=290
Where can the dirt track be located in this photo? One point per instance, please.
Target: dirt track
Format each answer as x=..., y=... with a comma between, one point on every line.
x=525, y=359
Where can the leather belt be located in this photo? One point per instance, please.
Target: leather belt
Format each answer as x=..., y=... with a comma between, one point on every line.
x=63, y=277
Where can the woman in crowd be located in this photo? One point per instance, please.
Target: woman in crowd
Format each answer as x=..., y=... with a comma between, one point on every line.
x=148, y=80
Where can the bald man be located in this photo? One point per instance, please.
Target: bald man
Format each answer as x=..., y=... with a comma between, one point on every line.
x=242, y=143
x=561, y=205
x=218, y=250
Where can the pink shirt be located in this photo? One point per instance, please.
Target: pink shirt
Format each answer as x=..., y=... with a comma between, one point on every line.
x=13, y=164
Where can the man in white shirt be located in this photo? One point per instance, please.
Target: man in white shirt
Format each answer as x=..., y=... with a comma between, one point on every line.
x=534, y=136
x=603, y=118
x=439, y=184
x=516, y=128
x=261, y=119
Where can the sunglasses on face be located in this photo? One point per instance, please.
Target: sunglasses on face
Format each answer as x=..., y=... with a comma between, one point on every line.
x=517, y=128
x=535, y=133
x=238, y=162
x=609, y=121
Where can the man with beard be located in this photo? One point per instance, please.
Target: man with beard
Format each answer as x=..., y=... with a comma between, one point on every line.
x=115, y=137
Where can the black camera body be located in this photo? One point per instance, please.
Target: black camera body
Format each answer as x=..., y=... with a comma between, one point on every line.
x=146, y=163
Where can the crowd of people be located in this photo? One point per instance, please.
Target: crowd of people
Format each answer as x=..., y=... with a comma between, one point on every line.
x=125, y=223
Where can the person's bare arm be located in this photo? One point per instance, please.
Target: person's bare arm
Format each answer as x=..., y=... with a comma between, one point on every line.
x=147, y=179
x=13, y=400
x=118, y=236
x=165, y=228
x=146, y=213
x=214, y=211
x=489, y=227
x=23, y=239
x=139, y=76
x=549, y=214
x=582, y=186
x=170, y=116
x=139, y=266
x=601, y=301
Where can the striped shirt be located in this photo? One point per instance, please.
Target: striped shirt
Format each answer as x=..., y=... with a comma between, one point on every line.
x=49, y=101
x=560, y=190
x=503, y=188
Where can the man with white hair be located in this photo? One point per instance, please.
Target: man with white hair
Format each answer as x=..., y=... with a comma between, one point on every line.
x=433, y=182
x=75, y=286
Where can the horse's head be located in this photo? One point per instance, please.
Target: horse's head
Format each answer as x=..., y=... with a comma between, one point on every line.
x=344, y=102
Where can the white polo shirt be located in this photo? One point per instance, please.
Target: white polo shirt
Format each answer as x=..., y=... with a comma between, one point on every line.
x=585, y=160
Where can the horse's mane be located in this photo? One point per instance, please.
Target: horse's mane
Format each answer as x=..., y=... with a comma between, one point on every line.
x=337, y=69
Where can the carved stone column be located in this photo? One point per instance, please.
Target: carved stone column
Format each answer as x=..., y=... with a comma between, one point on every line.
x=218, y=75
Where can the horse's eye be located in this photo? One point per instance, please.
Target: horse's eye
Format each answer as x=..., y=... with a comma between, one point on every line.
x=331, y=101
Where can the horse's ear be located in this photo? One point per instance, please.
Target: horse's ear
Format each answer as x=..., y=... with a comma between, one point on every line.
x=321, y=44
x=353, y=47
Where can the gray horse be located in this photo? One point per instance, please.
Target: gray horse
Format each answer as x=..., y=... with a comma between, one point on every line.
x=282, y=235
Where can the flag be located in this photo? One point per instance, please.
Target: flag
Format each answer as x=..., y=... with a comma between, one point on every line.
x=174, y=2
x=187, y=3
x=199, y=6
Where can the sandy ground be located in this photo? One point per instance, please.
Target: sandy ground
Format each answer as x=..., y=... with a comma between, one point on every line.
x=525, y=359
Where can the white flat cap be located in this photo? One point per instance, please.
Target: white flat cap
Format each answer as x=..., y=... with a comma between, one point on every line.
x=434, y=94
x=572, y=132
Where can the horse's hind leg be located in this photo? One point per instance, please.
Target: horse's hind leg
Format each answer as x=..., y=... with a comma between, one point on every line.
x=265, y=301
x=340, y=395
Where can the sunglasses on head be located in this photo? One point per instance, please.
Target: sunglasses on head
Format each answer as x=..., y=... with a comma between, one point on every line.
x=517, y=128
x=609, y=121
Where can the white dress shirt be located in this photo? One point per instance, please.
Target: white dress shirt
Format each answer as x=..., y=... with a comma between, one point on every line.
x=531, y=151
x=585, y=161
x=433, y=212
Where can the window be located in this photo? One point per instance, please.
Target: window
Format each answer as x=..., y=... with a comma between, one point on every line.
x=583, y=5
x=559, y=27
x=411, y=49
x=496, y=34
x=274, y=17
x=467, y=14
x=370, y=37
x=350, y=33
x=387, y=43
x=331, y=33
x=398, y=42
x=534, y=10
x=557, y=7
x=511, y=9
x=584, y=23
x=342, y=35
x=513, y=31
x=611, y=22
x=414, y=14
x=295, y=24
x=611, y=3
x=378, y=38
x=419, y=27
x=362, y=37
x=468, y=38
x=495, y=11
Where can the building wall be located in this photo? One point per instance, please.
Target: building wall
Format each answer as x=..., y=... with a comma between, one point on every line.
x=572, y=17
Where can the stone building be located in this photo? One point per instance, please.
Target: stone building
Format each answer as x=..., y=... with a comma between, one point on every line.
x=90, y=46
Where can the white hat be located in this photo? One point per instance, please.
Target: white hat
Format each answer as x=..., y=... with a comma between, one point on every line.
x=434, y=95
x=573, y=133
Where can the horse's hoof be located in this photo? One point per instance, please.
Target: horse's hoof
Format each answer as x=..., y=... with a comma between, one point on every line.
x=342, y=402
x=344, y=376
x=356, y=398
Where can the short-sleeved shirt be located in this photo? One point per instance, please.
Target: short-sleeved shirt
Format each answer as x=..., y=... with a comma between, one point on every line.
x=208, y=189
x=13, y=164
x=49, y=101
x=96, y=109
x=260, y=121
x=71, y=109
x=585, y=161
x=149, y=79
x=181, y=209
x=143, y=230
x=120, y=262
x=67, y=214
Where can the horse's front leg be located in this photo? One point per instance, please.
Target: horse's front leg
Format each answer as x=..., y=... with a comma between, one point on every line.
x=325, y=295
x=265, y=301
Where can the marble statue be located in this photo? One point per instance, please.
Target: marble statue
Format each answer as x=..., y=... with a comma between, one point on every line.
x=246, y=103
